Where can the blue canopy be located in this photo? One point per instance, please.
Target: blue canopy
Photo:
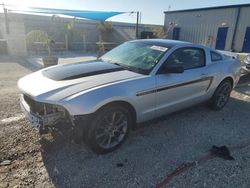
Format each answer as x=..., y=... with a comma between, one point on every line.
x=92, y=15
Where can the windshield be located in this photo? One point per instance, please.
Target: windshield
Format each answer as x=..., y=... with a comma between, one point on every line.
x=136, y=56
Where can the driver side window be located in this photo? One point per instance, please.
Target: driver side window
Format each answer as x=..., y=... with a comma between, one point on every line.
x=188, y=58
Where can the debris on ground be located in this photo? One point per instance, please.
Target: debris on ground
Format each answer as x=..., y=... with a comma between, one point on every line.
x=5, y=163
x=222, y=152
x=119, y=164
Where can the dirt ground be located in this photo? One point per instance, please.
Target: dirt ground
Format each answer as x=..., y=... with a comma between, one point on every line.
x=155, y=155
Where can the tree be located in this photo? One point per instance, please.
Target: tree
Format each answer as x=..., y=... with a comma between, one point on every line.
x=159, y=32
x=42, y=37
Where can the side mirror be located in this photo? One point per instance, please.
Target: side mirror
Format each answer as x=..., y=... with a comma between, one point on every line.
x=173, y=69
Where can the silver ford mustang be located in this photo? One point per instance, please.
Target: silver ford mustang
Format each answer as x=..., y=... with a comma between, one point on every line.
x=133, y=83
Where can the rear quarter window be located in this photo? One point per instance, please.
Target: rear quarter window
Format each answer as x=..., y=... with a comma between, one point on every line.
x=215, y=56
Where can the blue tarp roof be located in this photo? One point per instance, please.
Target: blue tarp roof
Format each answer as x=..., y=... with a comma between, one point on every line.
x=92, y=15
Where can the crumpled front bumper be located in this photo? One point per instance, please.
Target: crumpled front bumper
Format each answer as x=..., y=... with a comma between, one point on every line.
x=40, y=122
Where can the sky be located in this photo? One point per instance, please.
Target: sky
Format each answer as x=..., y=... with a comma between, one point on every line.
x=151, y=10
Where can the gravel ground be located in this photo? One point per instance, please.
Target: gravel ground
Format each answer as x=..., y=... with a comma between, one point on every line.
x=150, y=154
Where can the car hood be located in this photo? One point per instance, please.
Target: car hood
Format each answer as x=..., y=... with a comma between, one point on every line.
x=58, y=82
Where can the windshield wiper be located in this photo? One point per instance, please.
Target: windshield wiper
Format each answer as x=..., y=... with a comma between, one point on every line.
x=121, y=65
x=131, y=68
x=127, y=67
x=110, y=61
x=115, y=63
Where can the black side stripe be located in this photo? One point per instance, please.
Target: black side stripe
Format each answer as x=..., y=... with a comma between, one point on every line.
x=175, y=86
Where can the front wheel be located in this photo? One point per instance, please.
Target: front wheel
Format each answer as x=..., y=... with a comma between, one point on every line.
x=221, y=95
x=109, y=129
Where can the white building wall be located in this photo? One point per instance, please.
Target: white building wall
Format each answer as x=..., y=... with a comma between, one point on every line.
x=199, y=26
x=244, y=22
x=16, y=39
x=2, y=27
x=85, y=32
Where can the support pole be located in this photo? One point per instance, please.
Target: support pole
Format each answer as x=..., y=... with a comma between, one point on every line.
x=137, y=25
x=84, y=42
x=67, y=42
x=140, y=18
x=235, y=29
x=6, y=19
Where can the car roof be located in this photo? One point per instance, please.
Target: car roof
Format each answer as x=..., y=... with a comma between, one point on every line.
x=162, y=42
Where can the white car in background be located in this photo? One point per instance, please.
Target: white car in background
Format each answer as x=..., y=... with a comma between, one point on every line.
x=246, y=64
x=135, y=82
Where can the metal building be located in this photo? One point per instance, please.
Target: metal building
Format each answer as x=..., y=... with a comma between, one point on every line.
x=223, y=28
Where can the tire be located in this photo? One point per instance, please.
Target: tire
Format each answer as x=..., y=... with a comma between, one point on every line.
x=109, y=129
x=221, y=95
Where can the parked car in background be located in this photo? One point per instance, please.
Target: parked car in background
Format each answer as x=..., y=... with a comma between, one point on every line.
x=133, y=83
x=246, y=65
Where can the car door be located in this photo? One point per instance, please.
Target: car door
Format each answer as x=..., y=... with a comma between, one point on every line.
x=175, y=91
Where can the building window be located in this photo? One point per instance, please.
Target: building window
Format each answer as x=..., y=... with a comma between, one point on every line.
x=215, y=56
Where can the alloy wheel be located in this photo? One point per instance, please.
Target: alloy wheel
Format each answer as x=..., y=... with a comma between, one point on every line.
x=223, y=95
x=111, y=129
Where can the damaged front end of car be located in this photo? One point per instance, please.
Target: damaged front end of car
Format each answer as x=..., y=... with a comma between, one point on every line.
x=42, y=115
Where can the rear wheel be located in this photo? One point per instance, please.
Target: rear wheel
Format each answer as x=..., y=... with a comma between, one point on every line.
x=221, y=95
x=109, y=129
